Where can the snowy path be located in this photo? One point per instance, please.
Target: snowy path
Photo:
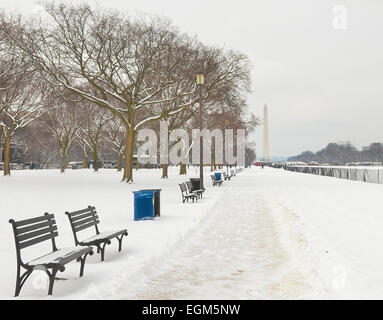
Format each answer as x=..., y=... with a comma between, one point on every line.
x=248, y=248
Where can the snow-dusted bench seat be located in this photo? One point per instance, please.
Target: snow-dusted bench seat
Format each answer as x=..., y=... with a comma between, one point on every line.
x=88, y=218
x=36, y=230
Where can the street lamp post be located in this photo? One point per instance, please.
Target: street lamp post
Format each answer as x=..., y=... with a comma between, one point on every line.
x=200, y=83
x=226, y=127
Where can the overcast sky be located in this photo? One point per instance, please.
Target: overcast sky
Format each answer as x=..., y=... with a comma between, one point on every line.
x=317, y=64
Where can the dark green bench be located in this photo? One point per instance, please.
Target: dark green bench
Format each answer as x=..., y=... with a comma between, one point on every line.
x=36, y=230
x=87, y=218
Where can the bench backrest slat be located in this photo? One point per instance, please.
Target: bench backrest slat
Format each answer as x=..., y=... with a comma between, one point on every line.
x=33, y=220
x=35, y=230
x=38, y=240
x=33, y=227
x=34, y=234
x=83, y=219
x=85, y=226
x=86, y=210
x=183, y=187
x=82, y=216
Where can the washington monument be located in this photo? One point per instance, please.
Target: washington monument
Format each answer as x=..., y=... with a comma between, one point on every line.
x=266, y=156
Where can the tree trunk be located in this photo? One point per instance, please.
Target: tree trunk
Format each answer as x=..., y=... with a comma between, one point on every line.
x=212, y=165
x=128, y=170
x=119, y=162
x=85, y=162
x=183, y=169
x=164, y=171
x=63, y=162
x=24, y=158
x=95, y=158
x=7, y=156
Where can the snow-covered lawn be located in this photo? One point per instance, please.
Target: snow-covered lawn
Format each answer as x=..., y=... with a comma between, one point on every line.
x=31, y=193
x=266, y=234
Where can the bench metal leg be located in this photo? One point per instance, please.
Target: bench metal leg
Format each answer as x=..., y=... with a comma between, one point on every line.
x=101, y=248
x=52, y=277
x=120, y=241
x=20, y=280
x=103, y=252
x=82, y=259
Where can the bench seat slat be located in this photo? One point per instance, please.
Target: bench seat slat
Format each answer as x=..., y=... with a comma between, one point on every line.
x=39, y=232
x=82, y=227
x=33, y=220
x=61, y=256
x=76, y=213
x=101, y=237
x=38, y=240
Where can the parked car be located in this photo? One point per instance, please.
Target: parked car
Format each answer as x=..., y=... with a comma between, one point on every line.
x=75, y=165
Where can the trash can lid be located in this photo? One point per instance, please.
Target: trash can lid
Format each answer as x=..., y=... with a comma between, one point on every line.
x=155, y=190
x=143, y=192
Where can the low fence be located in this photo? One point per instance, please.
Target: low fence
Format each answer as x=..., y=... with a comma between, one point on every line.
x=371, y=175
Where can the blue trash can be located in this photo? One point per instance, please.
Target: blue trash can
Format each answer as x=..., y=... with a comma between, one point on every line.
x=218, y=176
x=157, y=201
x=143, y=205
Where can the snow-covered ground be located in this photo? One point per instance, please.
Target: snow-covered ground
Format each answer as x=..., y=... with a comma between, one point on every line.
x=266, y=234
x=31, y=193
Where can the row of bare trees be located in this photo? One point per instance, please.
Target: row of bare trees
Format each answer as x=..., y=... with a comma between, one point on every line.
x=92, y=75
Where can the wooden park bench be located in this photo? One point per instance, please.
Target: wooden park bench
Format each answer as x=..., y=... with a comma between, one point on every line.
x=88, y=218
x=36, y=230
x=215, y=181
x=186, y=195
x=199, y=192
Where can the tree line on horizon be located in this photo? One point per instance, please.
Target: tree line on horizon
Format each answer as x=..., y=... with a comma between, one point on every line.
x=85, y=78
x=342, y=154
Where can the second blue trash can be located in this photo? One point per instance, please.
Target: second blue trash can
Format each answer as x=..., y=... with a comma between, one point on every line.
x=143, y=205
x=218, y=176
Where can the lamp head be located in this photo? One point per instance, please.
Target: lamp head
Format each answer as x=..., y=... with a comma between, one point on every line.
x=200, y=78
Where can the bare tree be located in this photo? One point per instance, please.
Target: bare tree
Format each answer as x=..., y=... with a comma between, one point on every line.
x=90, y=132
x=47, y=152
x=115, y=137
x=126, y=64
x=21, y=91
x=63, y=122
